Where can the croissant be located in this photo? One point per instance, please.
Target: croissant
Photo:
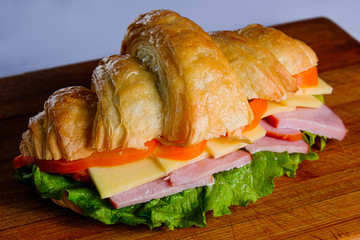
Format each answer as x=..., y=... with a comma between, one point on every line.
x=294, y=54
x=202, y=97
x=260, y=73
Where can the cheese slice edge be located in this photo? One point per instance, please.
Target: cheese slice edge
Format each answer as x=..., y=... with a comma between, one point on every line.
x=302, y=101
x=113, y=180
x=321, y=89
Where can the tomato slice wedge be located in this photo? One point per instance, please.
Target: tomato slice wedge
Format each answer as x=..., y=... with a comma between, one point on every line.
x=272, y=120
x=308, y=78
x=286, y=137
x=180, y=153
x=21, y=160
x=105, y=158
x=259, y=107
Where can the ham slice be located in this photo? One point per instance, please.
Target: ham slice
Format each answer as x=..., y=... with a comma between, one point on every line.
x=194, y=175
x=153, y=190
x=321, y=121
x=277, y=145
x=281, y=133
x=209, y=166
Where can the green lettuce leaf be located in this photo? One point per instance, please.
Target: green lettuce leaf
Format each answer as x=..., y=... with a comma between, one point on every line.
x=312, y=139
x=249, y=183
x=320, y=97
x=235, y=187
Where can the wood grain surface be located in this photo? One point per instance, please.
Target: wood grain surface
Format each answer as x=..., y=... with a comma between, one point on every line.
x=321, y=202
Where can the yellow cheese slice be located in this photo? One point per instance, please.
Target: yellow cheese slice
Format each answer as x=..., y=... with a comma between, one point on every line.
x=255, y=134
x=302, y=101
x=320, y=89
x=275, y=107
x=113, y=180
x=219, y=147
x=169, y=165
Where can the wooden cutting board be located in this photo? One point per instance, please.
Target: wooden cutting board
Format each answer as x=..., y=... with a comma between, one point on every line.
x=321, y=202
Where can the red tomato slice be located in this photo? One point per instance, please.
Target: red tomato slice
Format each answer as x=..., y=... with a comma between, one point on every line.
x=272, y=120
x=180, y=153
x=308, y=78
x=81, y=176
x=287, y=137
x=281, y=133
x=105, y=158
x=21, y=161
x=259, y=107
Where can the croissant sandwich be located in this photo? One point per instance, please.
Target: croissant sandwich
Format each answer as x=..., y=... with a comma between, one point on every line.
x=181, y=123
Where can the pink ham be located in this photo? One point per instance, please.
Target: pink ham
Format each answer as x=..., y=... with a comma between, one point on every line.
x=153, y=190
x=321, y=121
x=276, y=145
x=281, y=133
x=209, y=166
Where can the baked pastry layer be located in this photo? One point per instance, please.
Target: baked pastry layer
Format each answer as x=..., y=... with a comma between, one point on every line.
x=63, y=129
x=260, y=73
x=202, y=97
x=129, y=109
x=294, y=54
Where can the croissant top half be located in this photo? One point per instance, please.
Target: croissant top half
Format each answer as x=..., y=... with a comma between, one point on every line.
x=173, y=83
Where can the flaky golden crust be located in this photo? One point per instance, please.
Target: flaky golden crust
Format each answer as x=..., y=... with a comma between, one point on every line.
x=172, y=83
x=129, y=108
x=294, y=54
x=202, y=97
x=63, y=129
x=260, y=73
